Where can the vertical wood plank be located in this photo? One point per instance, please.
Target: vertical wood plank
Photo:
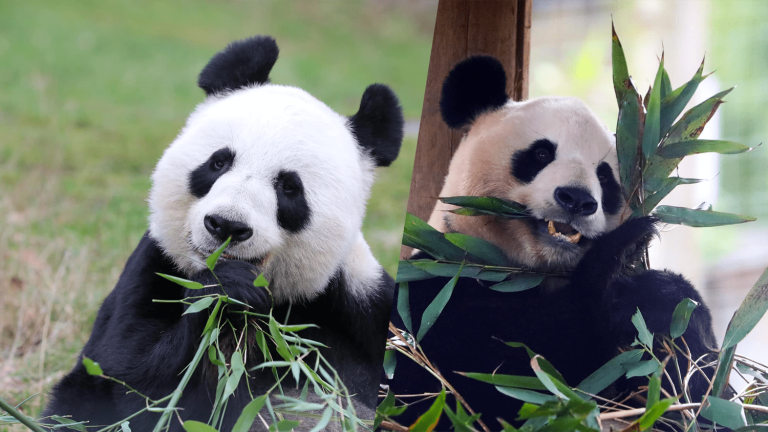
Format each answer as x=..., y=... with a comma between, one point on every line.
x=500, y=28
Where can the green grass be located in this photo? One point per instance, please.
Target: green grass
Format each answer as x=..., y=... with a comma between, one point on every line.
x=92, y=92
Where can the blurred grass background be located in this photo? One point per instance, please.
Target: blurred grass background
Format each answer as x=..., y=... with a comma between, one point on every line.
x=91, y=93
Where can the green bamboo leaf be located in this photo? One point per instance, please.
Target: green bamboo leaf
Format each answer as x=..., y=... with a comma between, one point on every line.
x=666, y=85
x=420, y=235
x=70, y=424
x=697, y=146
x=651, y=201
x=489, y=206
x=249, y=414
x=654, y=387
x=214, y=257
x=516, y=381
x=406, y=272
x=651, y=132
x=645, y=337
x=284, y=426
x=427, y=421
x=543, y=363
x=237, y=368
x=181, y=281
x=260, y=281
x=282, y=347
x=609, y=372
x=519, y=282
x=681, y=316
x=620, y=71
x=724, y=412
x=698, y=218
x=324, y=420
x=752, y=309
x=554, y=385
x=674, y=102
x=643, y=368
x=435, y=308
x=461, y=421
x=526, y=395
x=295, y=327
x=390, y=362
x=196, y=426
x=213, y=357
x=403, y=306
x=480, y=248
x=653, y=414
x=92, y=367
x=654, y=185
x=723, y=372
x=212, y=318
x=199, y=305
x=688, y=128
x=276, y=363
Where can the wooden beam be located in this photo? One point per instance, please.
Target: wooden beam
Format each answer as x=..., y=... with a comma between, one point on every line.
x=500, y=28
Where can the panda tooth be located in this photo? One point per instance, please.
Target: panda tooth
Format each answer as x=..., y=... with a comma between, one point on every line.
x=551, y=227
x=574, y=238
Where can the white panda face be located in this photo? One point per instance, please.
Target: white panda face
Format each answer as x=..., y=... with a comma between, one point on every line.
x=553, y=156
x=275, y=169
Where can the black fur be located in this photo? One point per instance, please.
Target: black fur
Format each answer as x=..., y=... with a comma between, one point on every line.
x=240, y=64
x=528, y=163
x=292, y=209
x=201, y=180
x=147, y=345
x=378, y=124
x=577, y=327
x=474, y=86
x=611, y=190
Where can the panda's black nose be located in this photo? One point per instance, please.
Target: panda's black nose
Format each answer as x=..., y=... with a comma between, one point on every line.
x=222, y=228
x=576, y=201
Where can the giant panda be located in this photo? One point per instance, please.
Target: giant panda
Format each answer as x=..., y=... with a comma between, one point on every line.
x=286, y=178
x=552, y=155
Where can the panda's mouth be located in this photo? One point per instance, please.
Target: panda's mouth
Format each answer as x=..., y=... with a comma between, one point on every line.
x=258, y=261
x=562, y=231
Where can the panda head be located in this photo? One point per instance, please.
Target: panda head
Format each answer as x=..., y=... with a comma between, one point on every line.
x=275, y=169
x=550, y=154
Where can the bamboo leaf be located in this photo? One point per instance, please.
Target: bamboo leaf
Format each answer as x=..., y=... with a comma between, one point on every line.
x=260, y=281
x=420, y=235
x=406, y=272
x=609, y=372
x=390, y=362
x=516, y=381
x=643, y=368
x=214, y=257
x=92, y=367
x=698, y=218
x=685, y=148
x=651, y=132
x=752, y=309
x=666, y=85
x=520, y=282
x=249, y=413
x=199, y=305
x=653, y=414
x=724, y=412
x=282, y=346
x=628, y=134
x=667, y=186
x=196, y=426
x=324, y=420
x=490, y=206
x=654, y=387
x=181, y=281
x=681, y=316
x=237, y=369
x=620, y=71
x=427, y=421
x=529, y=396
x=435, y=308
x=403, y=306
x=674, y=102
x=480, y=248
x=724, y=366
x=654, y=185
x=646, y=337
x=554, y=385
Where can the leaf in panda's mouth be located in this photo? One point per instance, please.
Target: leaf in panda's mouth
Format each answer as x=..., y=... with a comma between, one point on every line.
x=255, y=261
x=563, y=231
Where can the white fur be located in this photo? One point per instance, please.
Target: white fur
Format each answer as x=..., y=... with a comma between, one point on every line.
x=270, y=128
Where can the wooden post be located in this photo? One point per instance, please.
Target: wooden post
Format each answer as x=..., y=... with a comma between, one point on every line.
x=500, y=28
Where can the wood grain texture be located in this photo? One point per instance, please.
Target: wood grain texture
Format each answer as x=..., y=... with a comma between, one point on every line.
x=500, y=28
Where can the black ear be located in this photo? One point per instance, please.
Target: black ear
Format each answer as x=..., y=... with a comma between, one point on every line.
x=378, y=124
x=240, y=64
x=474, y=86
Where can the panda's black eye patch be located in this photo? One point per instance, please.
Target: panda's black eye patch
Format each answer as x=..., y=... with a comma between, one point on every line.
x=292, y=209
x=611, y=190
x=526, y=164
x=201, y=180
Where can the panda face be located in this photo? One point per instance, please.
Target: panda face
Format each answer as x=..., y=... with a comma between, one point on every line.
x=274, y=169
x=553, y=156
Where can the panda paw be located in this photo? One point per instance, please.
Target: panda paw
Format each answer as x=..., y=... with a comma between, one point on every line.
x=617, y=252
x=235, y=279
